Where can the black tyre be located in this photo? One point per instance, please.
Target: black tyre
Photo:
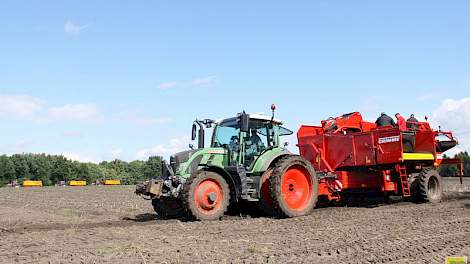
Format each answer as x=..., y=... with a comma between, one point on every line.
x=206, y=196
x=426, y=186
x=265, y=203
x=168, y=208
x=294, y=187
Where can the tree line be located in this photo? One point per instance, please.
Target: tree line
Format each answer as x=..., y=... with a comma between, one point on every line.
x=54, y=169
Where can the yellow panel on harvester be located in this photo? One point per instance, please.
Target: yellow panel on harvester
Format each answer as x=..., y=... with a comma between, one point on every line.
x=112, y=182
x=77, y=183
x=32, y=183
x=417, y=156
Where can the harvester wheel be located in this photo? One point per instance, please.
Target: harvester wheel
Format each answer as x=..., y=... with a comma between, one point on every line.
x=294, y=187
x=266, y=201
x=426, y=186
x=206, y=196
x=167, y=208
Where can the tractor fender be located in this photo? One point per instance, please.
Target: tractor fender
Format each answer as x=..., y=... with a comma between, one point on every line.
x=268, y=161
x=233, y=184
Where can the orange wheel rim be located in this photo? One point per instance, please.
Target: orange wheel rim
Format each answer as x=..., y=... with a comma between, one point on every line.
x=208, y=196
x=296, y=188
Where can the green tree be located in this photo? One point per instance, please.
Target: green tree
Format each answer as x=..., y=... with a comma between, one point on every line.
x=153, y=167
x=7, y=170
x=21, y=167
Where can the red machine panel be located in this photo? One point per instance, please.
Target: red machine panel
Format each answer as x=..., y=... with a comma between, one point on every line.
x=364, y=149
x=389, y=145
x=424, y=142
x=339, y=150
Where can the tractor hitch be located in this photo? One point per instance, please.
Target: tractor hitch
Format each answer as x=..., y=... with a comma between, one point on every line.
x=158, y=188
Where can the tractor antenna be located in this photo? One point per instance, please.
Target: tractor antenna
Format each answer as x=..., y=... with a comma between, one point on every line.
x=273, y=108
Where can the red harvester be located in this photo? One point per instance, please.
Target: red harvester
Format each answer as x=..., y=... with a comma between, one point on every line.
x=352, y=155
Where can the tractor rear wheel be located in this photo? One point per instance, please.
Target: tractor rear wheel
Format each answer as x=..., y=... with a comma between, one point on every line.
x=294, y=187
x=206, y=196
x=167, y=208
x=426, y=186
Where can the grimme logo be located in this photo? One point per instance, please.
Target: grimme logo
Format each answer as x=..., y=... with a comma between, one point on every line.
x=389, y=139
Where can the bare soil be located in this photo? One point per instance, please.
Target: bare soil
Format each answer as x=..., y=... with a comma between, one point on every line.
x=102, y=224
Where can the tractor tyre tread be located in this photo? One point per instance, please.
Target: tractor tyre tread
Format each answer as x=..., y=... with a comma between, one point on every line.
x=420, y=192
x=263, y=205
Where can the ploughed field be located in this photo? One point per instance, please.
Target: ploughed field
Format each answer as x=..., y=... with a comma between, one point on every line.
x=109, y=224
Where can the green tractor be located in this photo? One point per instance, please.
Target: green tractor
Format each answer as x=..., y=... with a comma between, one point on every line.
x=245, y=162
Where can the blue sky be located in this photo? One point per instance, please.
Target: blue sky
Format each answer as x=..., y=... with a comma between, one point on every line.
x=98, y=80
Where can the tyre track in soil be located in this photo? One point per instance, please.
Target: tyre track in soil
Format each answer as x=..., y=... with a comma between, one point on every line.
x=78, y=226
x=150, y=219
x=356, y=240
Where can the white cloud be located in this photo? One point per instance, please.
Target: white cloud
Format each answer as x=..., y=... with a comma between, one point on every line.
x=454, y=115
x=203, y=81
x=20, y=106
x=76, y=112
x=74, y=29
x=167, y=85
x=173, y=146
x=114, y=154
x=79, y=157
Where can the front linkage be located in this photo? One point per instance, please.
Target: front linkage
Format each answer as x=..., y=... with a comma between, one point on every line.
x=169, y=186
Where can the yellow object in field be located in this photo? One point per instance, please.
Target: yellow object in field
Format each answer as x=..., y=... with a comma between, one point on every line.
x=32, y=183
x=112, y=182
x=77, y=183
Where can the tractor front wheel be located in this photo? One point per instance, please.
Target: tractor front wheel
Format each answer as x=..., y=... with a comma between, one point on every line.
x=294, y=187
x=206, y=196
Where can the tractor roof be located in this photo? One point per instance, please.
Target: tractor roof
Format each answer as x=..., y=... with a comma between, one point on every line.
x=257, y=116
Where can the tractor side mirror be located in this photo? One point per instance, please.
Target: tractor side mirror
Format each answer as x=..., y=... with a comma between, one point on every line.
x=244, y=122
x=193, y=132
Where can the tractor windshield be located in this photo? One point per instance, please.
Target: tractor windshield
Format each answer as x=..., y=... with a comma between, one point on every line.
x=226, y=134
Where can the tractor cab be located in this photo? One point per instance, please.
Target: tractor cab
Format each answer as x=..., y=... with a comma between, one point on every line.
x=247, y=137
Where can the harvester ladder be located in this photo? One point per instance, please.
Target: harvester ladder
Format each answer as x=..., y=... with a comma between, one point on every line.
x=405, y=187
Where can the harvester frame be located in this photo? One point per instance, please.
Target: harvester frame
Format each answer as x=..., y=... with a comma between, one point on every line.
x=352, y=155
